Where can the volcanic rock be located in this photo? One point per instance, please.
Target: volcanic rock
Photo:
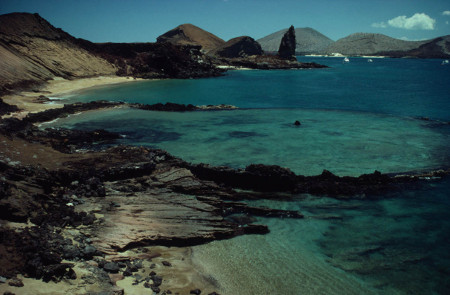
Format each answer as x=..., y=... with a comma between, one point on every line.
x=287, y=45
x=238, y=47
x=111, y=267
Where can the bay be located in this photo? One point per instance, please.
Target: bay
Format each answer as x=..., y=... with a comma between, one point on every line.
x=389, y=115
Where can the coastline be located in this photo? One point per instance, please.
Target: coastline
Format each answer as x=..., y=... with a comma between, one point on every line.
x=178, y=276
x=26, y=100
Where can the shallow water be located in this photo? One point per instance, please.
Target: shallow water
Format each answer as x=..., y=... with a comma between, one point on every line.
x=344, y=142
x=356, y=118
x=397, y=245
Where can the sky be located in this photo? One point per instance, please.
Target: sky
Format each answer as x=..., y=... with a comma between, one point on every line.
x=145, y=20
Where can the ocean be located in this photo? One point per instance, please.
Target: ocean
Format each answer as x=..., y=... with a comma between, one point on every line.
x=389, y=115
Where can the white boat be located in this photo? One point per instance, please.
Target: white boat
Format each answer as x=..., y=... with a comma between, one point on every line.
x=444, y=62
x=346, y=59
x=369, y=60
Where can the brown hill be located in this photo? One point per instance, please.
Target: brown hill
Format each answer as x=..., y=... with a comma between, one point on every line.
x=32, y=50
x=188, y=34
x=239, y=47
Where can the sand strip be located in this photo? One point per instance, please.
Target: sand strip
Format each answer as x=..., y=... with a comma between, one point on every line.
x=55, y=88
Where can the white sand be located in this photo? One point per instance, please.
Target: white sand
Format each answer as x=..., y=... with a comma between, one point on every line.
x=56, y=88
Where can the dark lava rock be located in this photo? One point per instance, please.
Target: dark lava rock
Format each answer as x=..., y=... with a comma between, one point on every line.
x=89, y=251
x=157, y=60
x=111, y=267
x=297, y=123
x=167, y=107
x=71, y=252
x=8, y=293
x=287, y=45
x=15, y=282
x=155, y=289
x=88, y=219
x=196, y=292
x=127, y=272
x=68, y=109
x=166, y=263
x=7, y=108
x=239, y=47
x=214, y=293
x=35, y=251
x=157, y=280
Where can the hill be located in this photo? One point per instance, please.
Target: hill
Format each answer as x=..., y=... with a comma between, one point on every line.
x=308, y=41
x=188, y=34
x=32, y=50
x=436, y=48
x=371, y=44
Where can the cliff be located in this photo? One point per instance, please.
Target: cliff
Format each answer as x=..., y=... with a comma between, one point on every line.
x=188, y=34
x=239, y=47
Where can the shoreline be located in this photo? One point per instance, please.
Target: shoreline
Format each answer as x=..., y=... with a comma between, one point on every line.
x=26, y=100
x=184, y=270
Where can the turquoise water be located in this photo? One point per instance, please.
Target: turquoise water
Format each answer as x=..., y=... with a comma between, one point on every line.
x=356, y=118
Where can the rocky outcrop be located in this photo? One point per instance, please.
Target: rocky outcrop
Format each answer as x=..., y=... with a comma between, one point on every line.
x=188, y=34
x=267, y=62
x=287, y=45
x=156, y=60
x=238, y=47
x=175, y=107
x=308, y=41
x=7, y=108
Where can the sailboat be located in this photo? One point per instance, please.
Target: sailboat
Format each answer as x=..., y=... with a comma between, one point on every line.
x=444, y=62
x=346, y=60
x=369, y=60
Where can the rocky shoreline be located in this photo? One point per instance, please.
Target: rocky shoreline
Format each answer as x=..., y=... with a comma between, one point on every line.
x=63, y=209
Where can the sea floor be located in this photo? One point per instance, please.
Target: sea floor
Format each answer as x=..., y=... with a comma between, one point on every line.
x=393, y=245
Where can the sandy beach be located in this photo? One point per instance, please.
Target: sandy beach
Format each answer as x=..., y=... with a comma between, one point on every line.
x=27, y=100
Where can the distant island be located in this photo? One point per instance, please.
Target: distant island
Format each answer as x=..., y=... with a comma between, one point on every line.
x=312, y=42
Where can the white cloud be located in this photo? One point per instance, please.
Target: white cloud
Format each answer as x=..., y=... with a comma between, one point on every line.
x=447, y=12
x=419, y=21
x=379, y=25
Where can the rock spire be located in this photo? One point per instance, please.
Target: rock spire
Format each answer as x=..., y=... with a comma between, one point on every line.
x=287, y=45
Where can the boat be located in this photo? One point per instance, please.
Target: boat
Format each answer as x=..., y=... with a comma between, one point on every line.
x=346, y=59
x=444, y=62
x=369, y=60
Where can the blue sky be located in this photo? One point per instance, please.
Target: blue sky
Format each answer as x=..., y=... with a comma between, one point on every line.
x=144, y=20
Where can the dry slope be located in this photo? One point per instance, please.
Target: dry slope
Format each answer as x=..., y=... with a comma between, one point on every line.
x=32, y=50
x=188, y=34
